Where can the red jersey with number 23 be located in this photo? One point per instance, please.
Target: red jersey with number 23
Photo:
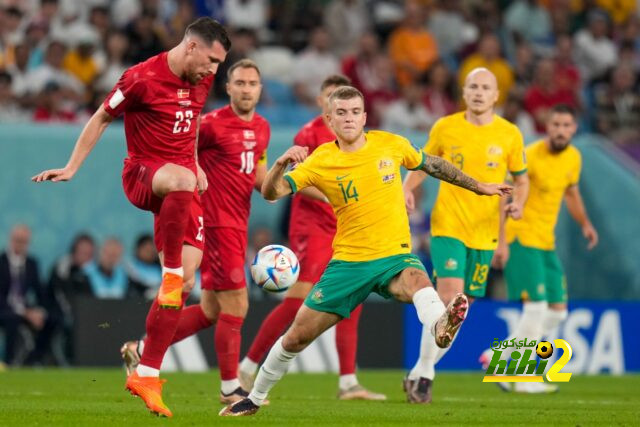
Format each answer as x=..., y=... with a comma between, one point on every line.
x=229, y=149
x=310, y=216
x=160, y=111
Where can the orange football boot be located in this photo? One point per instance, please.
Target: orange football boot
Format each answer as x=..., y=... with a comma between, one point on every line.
x=149, y=389
x=170, y=293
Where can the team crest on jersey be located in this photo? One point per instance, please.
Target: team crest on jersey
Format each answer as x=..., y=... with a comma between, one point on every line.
x=385, y=164
x=248, y=134
x=388, y=179
x=494, y=150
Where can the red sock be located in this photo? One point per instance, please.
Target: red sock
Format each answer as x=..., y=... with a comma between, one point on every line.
x=272, y=327
x=173, y=220
x=347, y=341
x=161, y=327
x=227, y=342
x=191, y=321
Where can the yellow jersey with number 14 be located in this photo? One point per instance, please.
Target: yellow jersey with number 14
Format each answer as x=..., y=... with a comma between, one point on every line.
x=549, y=175
x=365, y=190
x=485, y=153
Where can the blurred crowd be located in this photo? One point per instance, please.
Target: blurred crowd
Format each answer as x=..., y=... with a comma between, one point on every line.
x=59, y=58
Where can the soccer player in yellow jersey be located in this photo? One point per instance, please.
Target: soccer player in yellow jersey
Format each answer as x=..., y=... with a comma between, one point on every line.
x=464, y=227
x=533, y=272
x=360, y=176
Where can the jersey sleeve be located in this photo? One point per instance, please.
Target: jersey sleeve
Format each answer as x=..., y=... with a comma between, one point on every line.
x=302, y=176
x=517, y=159
x=128, y=92
x=432, y=146
x=576, y=170
x=263, y=158
x=412, y=157
x=302, y=138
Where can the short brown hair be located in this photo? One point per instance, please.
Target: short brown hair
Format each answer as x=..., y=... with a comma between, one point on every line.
x=346, y=92
x=335, y=80
x=243, y=63
x=209, y=30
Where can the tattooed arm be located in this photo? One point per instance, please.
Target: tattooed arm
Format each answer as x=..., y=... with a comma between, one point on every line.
x=445, y=171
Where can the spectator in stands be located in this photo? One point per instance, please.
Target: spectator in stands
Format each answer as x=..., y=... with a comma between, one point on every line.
x=50, y=105
x=488, y=56
x=618, y=106
x=595, y=51
x=545, y=93
x=250, y=14
x=144, y=270
x=9, y=31
x=35, y=38
x=68, y=280
x=100, y=20
x=22, y=299
x=385, y=92
x=80, y=61
x=146, y=37
x=566, y=73
x=513, y=110
x=411, y=47
x=117, y=46
x=243, y=43
x=184, y=15
x=346, y=21
x=523, y=65
x=312, y=66
x=408, y=113
x=440, y=91
x=526, y=20
x=451, y=29
x=108, y=277
x=18, y=71
x=10, y=111
x=51, y=71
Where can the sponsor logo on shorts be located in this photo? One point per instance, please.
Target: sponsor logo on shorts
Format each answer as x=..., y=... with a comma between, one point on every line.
x=524, y=365
x=317, y=296
x=451, y=264
x=475, y=287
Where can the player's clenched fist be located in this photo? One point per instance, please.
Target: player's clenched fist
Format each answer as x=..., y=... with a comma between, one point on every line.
x=54, y=175
x=295, y=154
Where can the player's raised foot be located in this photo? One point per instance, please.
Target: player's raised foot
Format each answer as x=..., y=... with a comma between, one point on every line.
x=237, y=395
x=418, y=391
x=357, y=392
x=241, y=408
x=246, y=379
x=170, y=292
x=484, y=361
x=535, y=388
x=130, y=356
x=149, y=389
x=445, y=328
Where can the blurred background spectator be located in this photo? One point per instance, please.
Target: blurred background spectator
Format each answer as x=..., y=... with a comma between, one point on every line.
x=143, y=269
x=108, y=277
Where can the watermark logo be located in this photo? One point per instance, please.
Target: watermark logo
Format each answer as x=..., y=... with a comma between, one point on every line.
x=524, y=366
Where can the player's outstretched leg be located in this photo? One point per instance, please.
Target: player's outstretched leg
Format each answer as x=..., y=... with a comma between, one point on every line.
x=271, y=329
x=307, y=326
x=347, y=345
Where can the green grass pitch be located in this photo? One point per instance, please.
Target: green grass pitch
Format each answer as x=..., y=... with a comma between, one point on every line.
x=96, y=397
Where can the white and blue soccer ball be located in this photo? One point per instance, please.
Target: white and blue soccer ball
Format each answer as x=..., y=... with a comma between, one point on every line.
x=275, y=268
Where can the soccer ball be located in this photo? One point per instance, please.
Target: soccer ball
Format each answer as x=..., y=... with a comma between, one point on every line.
x=275, y=268
x=544, y=349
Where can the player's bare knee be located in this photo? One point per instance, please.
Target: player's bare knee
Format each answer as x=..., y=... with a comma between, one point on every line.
x=210, y=308
x=295, y=340
x=185, y=181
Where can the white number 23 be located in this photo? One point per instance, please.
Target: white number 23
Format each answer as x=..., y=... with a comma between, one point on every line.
x=183, y=121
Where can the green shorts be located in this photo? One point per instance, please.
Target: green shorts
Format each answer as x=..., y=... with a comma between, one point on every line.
x=346, y=284
x=451, y=258
x=534, y=275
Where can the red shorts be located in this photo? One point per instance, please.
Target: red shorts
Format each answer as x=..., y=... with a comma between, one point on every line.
x=314, y=252
x=136, y=181
x=223, y=263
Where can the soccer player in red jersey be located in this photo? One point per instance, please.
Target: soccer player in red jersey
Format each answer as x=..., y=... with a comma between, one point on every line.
x=311, y=230
x=232, y=144
x=161, y=99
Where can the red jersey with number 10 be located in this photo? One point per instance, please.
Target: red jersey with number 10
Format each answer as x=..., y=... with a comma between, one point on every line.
x=160, y=111
x=310, y=216
x=229, y=149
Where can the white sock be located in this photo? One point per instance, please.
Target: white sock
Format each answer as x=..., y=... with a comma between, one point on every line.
x=428, y=305
x=248, y=365
x=552, y=319
x=147, y=371
x=228, y=386
x=529, y=325
x=177, y=271
x=347, y=381
x=425, y=365
x=274, y=367
x=140, y=347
